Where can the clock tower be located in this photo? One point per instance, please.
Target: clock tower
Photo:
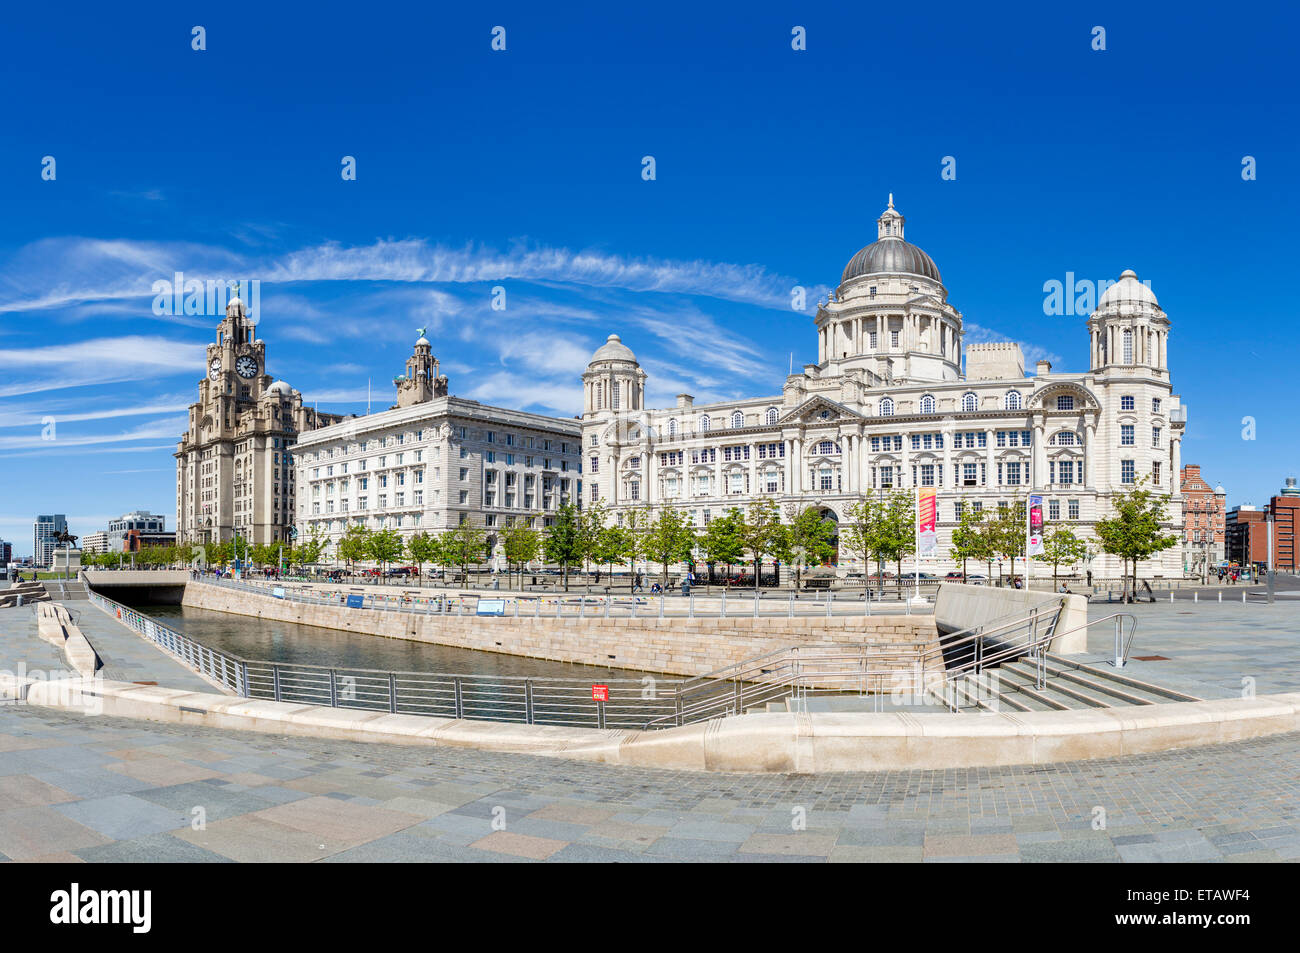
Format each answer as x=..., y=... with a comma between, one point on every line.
x=234, y=473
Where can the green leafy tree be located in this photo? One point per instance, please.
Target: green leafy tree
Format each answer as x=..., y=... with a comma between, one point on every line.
x=354, y=545
x=591, y=527
x=897, y=533
x=808, y=538
x=564, y=542
x=521, y=544
x=1006, y=534
x=969, y=541
x=465, y=546
x=384, y=546
x=634, y=525
x=669, y=539
x=309, y=551
x=422, y=548
x=1062, y=548
x=761, y=532
x=1135, y=533
x=863, y=530
x=722, y=541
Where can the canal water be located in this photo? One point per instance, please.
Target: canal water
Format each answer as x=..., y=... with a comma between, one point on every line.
x=270, y=641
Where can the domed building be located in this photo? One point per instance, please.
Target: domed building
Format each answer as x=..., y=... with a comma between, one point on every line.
x=896, y=401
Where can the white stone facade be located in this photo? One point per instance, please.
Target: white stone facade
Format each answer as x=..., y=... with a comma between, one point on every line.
x=431, y=465
x=887, y=406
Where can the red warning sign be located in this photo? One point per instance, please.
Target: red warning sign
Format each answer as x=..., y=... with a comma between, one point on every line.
x=600, y=693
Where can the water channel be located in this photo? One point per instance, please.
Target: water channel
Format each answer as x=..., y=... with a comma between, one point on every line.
x=289, y=642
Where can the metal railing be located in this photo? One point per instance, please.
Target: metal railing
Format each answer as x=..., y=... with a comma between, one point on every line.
x=580, y=606
x=507, y=698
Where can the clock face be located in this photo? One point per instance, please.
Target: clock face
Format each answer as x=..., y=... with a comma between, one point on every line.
x=247, y=367
x=214, y=369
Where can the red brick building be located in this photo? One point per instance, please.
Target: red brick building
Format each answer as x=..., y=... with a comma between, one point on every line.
x=1285, y=508
x=1204, y=514
x=1247, y=535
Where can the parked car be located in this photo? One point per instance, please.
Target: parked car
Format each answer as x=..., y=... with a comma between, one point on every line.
x=955, y=577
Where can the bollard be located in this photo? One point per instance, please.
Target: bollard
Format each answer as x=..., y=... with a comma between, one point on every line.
x=690, y=605
x=1196, y=597
x=790, y=613
x=661, y=605
x=1243, y=598
x=1171, y=596
x=828, y=603
x=756, y=605
x=724, y=603
x=1220, y=595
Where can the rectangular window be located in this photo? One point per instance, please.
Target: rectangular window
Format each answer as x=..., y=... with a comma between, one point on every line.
x=1074, y=509
x=1155, y=436
x=1053, y=510
x=1155, y=405
x=1126, y=471
x=1126, y=435
x=893, y=339
x=1127, y=402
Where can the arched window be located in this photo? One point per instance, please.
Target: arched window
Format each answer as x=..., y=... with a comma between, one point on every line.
x=599, y=395
x=704, y=423
x=1064, y=438
x=887, y=407
x=827, y=447
x=737, y=420
x=927, y=404
x=672, y=427
x=969, y=402
x=1012, y=400
x=770, y=417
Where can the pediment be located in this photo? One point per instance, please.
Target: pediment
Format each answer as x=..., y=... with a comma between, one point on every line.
x=820, y=410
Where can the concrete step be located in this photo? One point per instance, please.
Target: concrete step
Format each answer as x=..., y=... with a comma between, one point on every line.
x=1120, y=678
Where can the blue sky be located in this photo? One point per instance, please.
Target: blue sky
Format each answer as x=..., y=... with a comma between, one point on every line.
x=522, y=169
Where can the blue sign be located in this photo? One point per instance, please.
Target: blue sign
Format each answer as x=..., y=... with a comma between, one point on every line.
x=491, y=607
x=356, y=602
x=278, y=592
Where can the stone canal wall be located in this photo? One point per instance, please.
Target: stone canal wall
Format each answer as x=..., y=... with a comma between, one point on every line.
x=672, y=646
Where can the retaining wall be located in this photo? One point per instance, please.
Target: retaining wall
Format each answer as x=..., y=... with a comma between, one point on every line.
x=672, y=646
x=959, y=606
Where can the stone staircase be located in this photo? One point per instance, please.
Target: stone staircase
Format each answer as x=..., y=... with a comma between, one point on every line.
x=1069, y=685
x=29, y=591
x=63, y=590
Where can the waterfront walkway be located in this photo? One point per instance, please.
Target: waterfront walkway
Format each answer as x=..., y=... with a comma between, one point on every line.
x=106, y=789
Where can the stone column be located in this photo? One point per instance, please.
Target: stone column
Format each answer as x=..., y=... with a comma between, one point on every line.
x=796, y=465
x=1176, y=452
x=1040, y=452
x=1089, y=451
x=991, y=476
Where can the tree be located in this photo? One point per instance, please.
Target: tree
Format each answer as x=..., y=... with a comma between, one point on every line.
x=760, y=532
x=635, y=522
x=1006, y=534
x=384, y=546
x=897, y=529
x=722, y=542
x=1134, y=532
x=669, y=539
x=464, y=545
x=969, y=540
x=308, y=552
x=564, y=543
x=1062, y=548
x=590, y=524
x=354, y=545
x=808, y=538
x=422, y=548
x=521, y=543
x=862, y=533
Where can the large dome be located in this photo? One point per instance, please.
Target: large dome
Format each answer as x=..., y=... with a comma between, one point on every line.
x=614, y=350
x=1128, y=291
x=891, y=256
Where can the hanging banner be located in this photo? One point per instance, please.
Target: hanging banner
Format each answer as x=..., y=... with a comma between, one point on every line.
x=1034, y=537
x=927, y=522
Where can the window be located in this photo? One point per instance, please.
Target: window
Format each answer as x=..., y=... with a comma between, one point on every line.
x=595, y=464
x=893, y=339
x=969, y=402
x=704, y=424
x=615, y=389
x=826, y=479
x=1054, y=510
x=1126, y=472
x=1127, y=402
x=1012, y=400
x=1126, y=435
x=672, y=427
x=927, y=404
x=827, y=447
x=1074, y=509
x=1155, y=405
x=887, y=407
x=770, y=417
x=1128, y=346
x=737, y=420
x=1065, y=402
x=968, y=475
x=1155, y=473
x=871, y=335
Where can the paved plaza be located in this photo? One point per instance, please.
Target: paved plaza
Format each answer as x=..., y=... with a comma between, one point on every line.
x=77, y=788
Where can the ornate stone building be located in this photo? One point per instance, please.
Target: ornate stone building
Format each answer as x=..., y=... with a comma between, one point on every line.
x=434, y=461
x=234, y=466
x=887, y=406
